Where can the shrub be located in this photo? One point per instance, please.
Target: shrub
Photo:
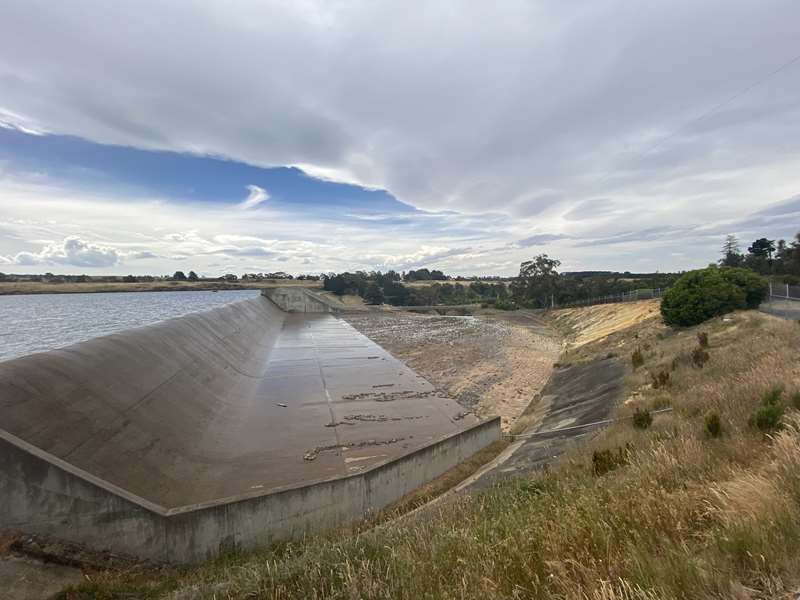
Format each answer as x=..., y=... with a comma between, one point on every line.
x=607, y=460
x=637, y=358
x=661, y=380
x=699, y=357
x=712, y=424
x=705, y=293
x=795, y=400
x=754, y=286
x=767, y=417
x=702, y=339
x=642, y=419
x=773, y=395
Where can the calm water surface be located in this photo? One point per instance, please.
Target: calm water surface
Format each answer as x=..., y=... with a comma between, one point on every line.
x=37, y=323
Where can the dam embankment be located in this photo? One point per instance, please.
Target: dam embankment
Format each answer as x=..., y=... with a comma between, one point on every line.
x=234, y=427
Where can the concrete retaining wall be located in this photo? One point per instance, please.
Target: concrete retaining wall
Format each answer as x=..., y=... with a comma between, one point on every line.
x=43, y=495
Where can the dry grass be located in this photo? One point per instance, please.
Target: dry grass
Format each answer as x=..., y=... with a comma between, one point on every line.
x=686, y=517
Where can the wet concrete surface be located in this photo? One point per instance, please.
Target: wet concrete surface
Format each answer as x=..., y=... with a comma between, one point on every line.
x=576, y=395
x=242, y=399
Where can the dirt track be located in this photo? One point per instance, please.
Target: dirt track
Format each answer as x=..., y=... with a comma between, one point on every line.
x=493, y=364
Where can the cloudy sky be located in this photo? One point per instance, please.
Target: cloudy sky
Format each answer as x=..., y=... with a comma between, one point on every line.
x=308, y=136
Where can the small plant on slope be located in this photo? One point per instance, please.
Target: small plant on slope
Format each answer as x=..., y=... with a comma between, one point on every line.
x=637, y=358
x=642, y=419
x=767, y=417
x=712, y=424
x=702, y=339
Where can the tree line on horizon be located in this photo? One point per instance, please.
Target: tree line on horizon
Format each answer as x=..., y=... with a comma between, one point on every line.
x=765, y=256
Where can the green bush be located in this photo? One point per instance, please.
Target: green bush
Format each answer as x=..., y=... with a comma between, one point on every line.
x=705, y=293
x=755, y=286
x=712, y=424
x=795, y=400
x=767, y=417
x=642, y=419
x=773, y=395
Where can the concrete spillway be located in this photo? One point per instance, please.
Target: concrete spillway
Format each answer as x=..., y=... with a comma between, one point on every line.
x=238, y=402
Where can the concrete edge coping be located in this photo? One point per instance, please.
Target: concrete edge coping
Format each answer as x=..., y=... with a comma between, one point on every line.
x=178, y=510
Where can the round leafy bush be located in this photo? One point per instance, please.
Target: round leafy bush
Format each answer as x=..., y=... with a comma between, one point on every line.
x=700, y=295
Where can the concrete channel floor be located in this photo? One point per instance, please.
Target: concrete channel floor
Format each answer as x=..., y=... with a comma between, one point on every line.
x=238, y=401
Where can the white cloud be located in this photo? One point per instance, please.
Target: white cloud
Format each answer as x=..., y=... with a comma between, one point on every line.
x=256, y=196
x=71, y=251
x=527, y=108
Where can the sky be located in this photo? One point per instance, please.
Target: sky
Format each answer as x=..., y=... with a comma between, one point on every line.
x=314, y=136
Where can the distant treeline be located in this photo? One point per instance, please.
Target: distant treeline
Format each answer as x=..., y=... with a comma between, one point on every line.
x=536, y=287
x=540, y=285
x=765, y=256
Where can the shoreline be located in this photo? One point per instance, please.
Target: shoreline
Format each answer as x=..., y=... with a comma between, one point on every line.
x=28, y=288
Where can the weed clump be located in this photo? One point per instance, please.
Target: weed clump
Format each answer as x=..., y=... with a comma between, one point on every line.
x=660, y=380
x=637, y=358
x=712, y=425
x=642, y=419
x=702, y=339
x=767, y=417
x=604, y=461
x=699, y=357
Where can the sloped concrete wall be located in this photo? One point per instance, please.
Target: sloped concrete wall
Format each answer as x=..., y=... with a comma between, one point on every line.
x=43, y=495
x=299, y=300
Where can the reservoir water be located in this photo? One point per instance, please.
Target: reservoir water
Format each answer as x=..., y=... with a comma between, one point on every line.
x=41, y=322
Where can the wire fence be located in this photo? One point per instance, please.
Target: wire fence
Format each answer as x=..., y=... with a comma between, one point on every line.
x=784, y=291
x=632, y=296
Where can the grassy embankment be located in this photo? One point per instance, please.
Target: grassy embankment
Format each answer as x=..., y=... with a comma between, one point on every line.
x=40, y=287
x=670, y=511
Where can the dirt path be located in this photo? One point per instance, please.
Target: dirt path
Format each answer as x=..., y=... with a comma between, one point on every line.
x=494, y=364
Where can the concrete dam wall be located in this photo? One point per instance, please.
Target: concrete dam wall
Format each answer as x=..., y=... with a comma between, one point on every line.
x=235, y=427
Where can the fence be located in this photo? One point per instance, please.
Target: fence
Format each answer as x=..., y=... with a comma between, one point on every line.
x=784, y=291
x=632, y=296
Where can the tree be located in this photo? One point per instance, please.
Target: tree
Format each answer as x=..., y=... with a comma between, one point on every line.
x=762, y=248
x=759, y=255
x=705, y=293
x=179, y=276
x=374, y=294
x=193, y=276
x=731, y=252
x=537, y=282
